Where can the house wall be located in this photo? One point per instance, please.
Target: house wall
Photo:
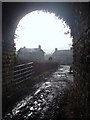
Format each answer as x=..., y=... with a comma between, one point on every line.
x=30, y=56
x=40, y=56
x=63, y=56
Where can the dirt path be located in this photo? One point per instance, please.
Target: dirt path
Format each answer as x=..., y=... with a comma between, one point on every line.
x=48, y=101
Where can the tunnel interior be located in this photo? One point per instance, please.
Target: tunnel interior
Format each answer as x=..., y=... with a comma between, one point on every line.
x=76, y=16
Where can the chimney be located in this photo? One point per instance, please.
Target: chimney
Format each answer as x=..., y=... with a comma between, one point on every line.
x=56, y=49
x=39, y=46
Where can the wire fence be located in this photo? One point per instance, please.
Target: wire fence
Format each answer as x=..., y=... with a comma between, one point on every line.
x=23, y=72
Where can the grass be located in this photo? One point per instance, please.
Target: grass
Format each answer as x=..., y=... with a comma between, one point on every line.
x=41, y=75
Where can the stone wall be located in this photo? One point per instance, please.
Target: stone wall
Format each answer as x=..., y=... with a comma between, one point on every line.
x=79, y=101
x=77, y=16
x=8, y=53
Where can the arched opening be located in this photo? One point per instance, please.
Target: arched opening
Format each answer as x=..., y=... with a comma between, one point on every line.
x=76, y=15
x=44, y=28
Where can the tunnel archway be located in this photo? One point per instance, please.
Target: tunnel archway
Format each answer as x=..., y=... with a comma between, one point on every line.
x=73, y=14
x=41, y=27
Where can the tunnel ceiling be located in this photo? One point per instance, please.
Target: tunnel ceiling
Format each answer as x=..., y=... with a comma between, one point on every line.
x=18, y=10
x=14, y=11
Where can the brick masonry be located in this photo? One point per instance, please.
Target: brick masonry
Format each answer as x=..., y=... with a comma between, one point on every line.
x=79, y=99
x=78, y=19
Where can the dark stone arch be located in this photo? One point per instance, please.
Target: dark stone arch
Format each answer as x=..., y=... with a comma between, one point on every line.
x=11, y=15
x=77, y=17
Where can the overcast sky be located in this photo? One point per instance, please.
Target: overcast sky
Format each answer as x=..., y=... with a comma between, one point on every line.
x=45, y=29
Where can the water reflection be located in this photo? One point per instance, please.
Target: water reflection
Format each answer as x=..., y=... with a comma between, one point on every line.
x=36, y=105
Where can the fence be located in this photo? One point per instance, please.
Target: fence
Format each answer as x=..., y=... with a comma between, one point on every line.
x=23, y=72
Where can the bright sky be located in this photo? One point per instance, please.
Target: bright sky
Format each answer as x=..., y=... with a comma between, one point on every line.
x=42, y=28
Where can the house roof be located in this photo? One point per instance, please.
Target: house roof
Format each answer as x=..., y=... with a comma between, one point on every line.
x=29, y=50
x=62, y=51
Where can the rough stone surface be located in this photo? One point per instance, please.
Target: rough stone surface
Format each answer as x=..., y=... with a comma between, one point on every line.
x=77, y=16
x=79, y=97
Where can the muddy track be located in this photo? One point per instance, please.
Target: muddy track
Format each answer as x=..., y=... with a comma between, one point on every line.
x=47, y=101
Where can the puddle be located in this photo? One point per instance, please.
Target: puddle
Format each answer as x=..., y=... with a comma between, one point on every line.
x=42, y=98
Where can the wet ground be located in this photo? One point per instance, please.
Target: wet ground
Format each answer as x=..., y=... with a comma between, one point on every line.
x=48, y=101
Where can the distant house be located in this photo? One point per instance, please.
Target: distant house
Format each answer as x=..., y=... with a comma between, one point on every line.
x=34, y=54
x=63, y=56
